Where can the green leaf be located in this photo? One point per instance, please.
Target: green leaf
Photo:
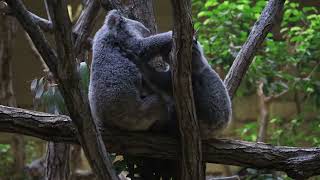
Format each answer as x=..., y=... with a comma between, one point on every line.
x=211, y=3
x=205, y=14
x=84, y=74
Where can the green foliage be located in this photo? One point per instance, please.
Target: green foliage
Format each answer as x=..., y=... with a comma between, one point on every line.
x=286, y=63
x=249, y=131
x=47, y=95
x=85, y=76
x=6, y=158
x=292, y=133
x=288, y=60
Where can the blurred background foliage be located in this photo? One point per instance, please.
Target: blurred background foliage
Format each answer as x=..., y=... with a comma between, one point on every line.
x=287, y=61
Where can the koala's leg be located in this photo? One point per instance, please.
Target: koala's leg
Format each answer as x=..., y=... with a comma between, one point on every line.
x=156, y=44
x=150, y=111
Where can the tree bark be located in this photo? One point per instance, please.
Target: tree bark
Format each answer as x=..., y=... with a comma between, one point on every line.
x=297, y=162
x=142, y=11
x=57, y=161
x=63, y=65
x=190, y=164
x=85, y=23
x=256, y=37
x=263, y=115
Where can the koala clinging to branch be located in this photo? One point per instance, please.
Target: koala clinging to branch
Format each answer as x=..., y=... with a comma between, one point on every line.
x=212, y=101
x=121, y=52
x=116, y=94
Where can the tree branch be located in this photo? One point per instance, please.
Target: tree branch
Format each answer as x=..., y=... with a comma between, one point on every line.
x=64, y=68
x=28, y=23
x=85, y=23
x=257, y=35
x=46, y=25
x=297, y=162
x=75, y=99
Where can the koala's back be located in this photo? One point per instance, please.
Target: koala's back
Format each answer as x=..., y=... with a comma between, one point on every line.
x=212, y=102
x=113, y=82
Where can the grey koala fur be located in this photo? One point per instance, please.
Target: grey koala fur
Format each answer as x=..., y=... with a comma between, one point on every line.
x=121, y=52
x=212, y=101
x=116, y=95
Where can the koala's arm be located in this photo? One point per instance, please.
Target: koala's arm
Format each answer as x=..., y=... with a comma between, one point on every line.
x=155, y=45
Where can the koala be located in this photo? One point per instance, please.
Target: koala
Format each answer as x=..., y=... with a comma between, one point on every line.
x=117, y=94
x=212, y=101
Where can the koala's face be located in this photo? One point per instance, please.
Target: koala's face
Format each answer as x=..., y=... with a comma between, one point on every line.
x=116, y=21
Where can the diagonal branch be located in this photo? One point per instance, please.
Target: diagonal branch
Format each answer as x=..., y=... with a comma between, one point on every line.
x=85, y=23
x=44, y=24
x=257, y=35
x=299, y=163
x=75, y=99
x=38, y=38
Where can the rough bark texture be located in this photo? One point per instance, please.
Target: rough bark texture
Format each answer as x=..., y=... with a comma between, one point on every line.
x=85, y=23
x=63, y=65
x=256, y=37
x=297, y=162
x=141, y=10
x=57, y=161
x=190, y=164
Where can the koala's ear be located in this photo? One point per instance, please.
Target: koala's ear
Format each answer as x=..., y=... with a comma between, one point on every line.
x=113, y=18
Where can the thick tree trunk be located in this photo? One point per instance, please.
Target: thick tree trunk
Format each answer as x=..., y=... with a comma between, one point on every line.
x=8, y=27
x=141, y=10
x=191, y=165
x=57, y=161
